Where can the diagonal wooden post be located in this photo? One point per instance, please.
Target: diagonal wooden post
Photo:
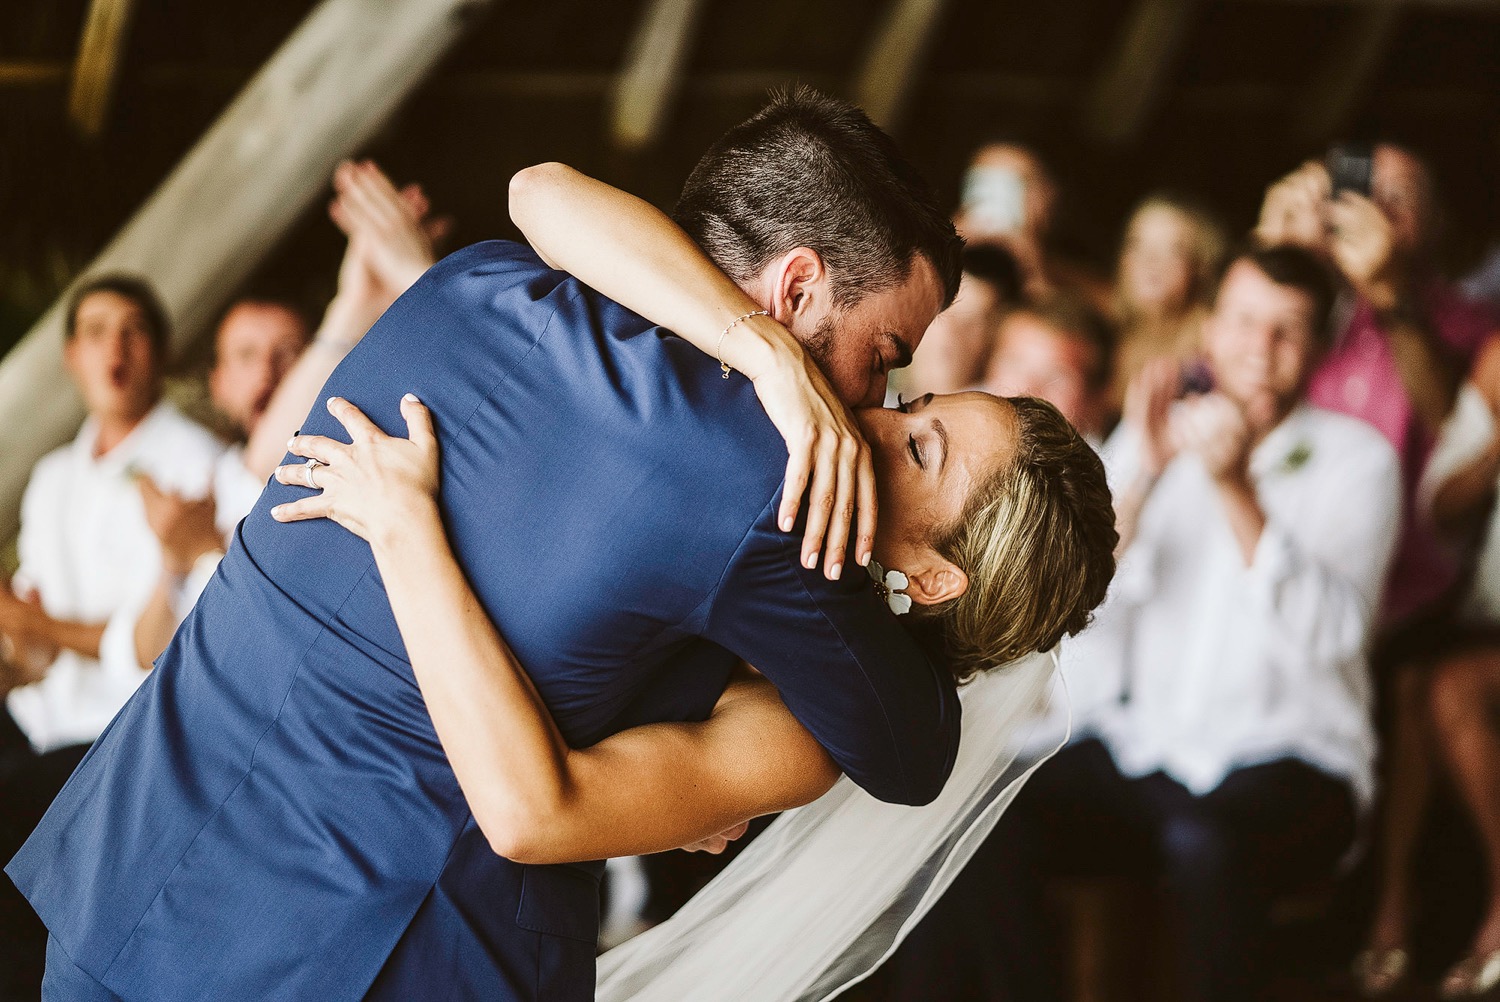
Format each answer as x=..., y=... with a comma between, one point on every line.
x=98, y=63
x=1127, y=88
x=893, y=65
x=334, y=81
x=653, y=71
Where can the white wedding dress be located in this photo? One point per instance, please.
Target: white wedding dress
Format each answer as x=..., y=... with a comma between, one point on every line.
x=820, y=899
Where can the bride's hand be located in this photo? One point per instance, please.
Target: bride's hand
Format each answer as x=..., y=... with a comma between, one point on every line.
x=825, y=447
x=376, y=486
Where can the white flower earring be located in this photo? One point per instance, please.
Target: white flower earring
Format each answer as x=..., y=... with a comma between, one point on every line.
x=889, y=585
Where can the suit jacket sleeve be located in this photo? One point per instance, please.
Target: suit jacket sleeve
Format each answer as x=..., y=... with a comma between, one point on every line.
x=844, y=664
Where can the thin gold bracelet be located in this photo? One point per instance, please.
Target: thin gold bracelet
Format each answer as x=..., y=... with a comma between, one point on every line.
x=725, y=333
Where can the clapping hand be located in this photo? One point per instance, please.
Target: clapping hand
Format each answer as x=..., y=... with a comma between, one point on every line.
x=1218, y=432
x=391, y=236
x=24, y=656
x=185, y=528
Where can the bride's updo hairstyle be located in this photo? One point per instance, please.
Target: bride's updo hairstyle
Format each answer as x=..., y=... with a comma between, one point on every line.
x=1037, y=541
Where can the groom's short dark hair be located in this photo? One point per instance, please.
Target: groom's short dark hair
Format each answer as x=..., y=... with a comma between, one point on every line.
x=809, y=170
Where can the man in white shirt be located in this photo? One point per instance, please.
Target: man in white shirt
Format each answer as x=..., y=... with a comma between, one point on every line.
x=1237, y=751
x=86, y=553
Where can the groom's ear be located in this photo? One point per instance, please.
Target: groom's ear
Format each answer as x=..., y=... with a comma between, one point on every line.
x=800, y=289
x=938, y=582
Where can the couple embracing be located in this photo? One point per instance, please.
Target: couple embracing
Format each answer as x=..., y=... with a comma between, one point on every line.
x=497, y=624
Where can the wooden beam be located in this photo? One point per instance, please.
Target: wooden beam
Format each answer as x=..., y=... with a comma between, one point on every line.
x=1336, y=90
x=1126, y=90
x=335, y=80
x=98, y=63
x=653, y=72
x=32, y=73
x=894, y=63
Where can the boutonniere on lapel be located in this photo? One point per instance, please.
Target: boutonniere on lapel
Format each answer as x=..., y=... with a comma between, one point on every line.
x=1297, y=458
x=889, y=585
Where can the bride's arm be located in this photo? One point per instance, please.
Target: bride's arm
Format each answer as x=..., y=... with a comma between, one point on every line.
x=633, y=253
x=648, y=789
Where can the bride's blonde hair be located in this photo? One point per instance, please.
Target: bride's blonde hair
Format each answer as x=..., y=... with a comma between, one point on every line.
x=1037, y=541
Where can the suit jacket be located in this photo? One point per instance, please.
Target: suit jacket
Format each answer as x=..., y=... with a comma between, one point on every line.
x=272, y=816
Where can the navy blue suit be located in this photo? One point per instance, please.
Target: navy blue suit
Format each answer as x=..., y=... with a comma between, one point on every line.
x=272, y=816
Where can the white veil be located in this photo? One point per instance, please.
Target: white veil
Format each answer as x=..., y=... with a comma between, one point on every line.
x=825, y=894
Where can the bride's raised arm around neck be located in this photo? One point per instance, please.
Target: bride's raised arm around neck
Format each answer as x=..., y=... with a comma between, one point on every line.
x=630, y=251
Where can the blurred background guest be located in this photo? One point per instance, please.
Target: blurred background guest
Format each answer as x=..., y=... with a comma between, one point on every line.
x=954, y=350
x=1255, y=535
x=87, y=554
x=1169, y=259
x=1060, y=350
x=1406, y=336
x=1407, y=339
x=1010, y=200
x=1458, y=493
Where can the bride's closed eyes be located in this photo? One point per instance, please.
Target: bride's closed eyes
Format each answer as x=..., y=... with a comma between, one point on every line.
x=916, y=446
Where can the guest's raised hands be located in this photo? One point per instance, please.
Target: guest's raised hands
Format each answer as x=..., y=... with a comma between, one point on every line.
x=1361, y=242
x=1295, y=210
x=391, y=234
x=185, y=527
x=1218, y=432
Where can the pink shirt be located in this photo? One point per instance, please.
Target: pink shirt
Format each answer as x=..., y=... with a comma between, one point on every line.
x=1359, y=378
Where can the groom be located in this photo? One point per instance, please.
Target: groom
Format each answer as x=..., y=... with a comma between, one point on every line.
x=273, y=817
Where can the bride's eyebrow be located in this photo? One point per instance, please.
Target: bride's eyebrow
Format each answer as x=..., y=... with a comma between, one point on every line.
x=942, y=434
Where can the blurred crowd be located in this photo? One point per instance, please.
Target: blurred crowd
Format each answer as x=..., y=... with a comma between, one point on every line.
x=1302, y=644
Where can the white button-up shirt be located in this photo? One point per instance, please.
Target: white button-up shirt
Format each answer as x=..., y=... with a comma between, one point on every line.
x=86, y=548
x=1197, y=664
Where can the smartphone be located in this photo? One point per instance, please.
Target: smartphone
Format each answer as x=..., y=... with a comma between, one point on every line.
x=994, y=200
x=1349, y=166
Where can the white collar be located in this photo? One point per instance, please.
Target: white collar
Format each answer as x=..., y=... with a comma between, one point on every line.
x=127, y=449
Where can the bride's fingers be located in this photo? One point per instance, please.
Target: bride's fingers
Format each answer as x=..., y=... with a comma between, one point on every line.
x=820, y=501
x=295, y=475
x=869, y=506
x=798, y=466
x=843, y=511
x=418, y=422
x=324, y=450
x=316, y=506
x=353, y=419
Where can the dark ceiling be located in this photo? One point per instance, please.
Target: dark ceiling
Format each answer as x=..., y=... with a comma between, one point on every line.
x=533, y=82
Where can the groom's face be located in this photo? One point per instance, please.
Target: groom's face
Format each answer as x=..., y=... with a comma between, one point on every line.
x=858, y=346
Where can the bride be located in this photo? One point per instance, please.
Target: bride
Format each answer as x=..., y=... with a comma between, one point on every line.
x=827, y=891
